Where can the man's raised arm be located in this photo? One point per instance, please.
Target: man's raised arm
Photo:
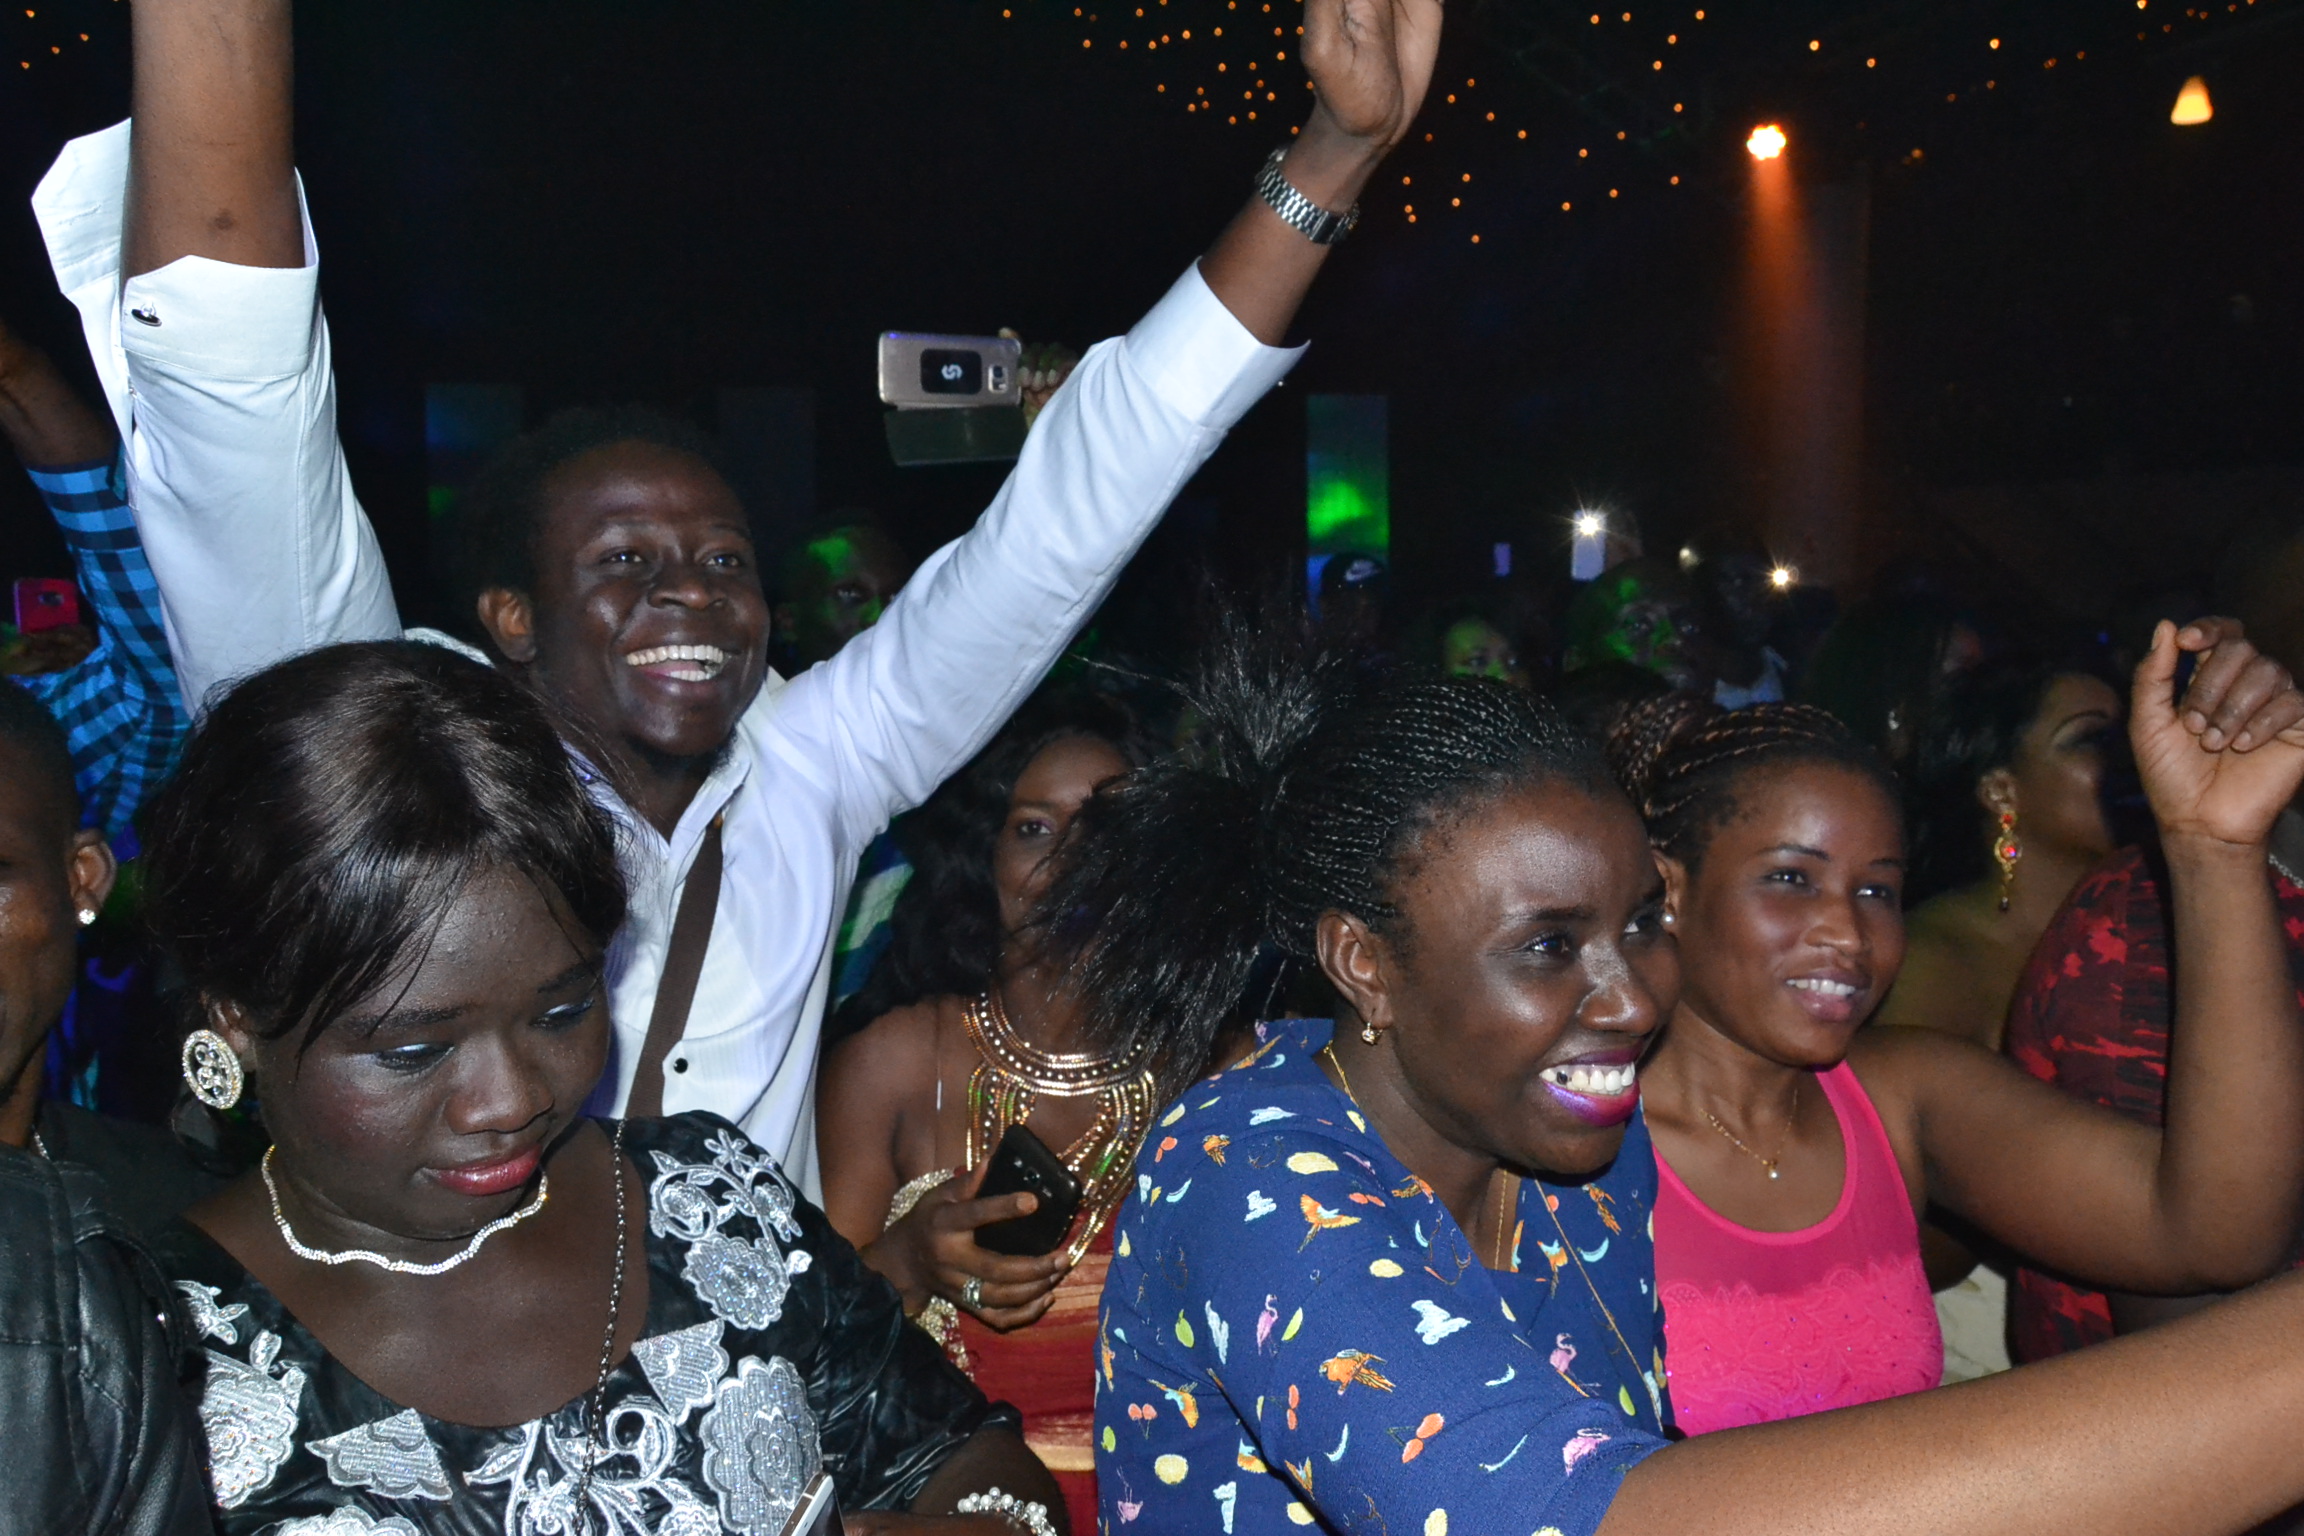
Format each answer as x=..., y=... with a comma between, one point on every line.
x=213, y=169
x=911, y=699
x=188, y=256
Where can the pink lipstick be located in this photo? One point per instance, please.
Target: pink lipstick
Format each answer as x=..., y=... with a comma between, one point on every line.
x=479, y=1179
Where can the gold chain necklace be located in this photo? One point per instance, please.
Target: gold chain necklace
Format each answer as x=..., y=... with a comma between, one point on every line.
x=1010, y=1076
x=1568, y=1246
x=1768, y=1163
x=1505, y=1195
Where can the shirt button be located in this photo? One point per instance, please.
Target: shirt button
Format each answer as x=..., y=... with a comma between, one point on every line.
x=679, y=1063
x=147, y=316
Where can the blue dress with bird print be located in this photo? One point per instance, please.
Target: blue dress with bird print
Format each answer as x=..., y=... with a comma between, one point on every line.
x=1296, y=1332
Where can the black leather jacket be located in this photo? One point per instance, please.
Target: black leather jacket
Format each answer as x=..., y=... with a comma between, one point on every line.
x=97, y=1436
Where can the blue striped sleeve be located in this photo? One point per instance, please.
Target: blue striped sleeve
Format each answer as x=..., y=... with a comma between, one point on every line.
x=120, y=707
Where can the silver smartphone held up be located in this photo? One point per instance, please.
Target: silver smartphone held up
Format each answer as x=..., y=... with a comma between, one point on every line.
x=930, y=372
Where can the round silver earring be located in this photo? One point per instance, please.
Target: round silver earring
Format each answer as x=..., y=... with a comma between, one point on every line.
x=87, y=916
x=212, y=1069
x=1367, y=1034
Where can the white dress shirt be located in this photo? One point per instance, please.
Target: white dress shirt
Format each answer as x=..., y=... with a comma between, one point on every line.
x=219, y=377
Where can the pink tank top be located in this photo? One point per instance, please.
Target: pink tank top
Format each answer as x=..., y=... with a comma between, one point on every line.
x=1771, y=1325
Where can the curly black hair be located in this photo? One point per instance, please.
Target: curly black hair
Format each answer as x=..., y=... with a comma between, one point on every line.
x=945, y=933
x=1309, y=791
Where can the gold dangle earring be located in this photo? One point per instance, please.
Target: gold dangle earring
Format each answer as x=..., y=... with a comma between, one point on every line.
x=2007, y=849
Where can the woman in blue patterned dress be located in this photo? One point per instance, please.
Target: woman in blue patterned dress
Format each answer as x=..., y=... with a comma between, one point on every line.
x=1396, y=1274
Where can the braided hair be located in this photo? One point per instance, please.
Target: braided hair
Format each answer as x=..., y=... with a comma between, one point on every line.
x=1681, y=758
x=1307, y=793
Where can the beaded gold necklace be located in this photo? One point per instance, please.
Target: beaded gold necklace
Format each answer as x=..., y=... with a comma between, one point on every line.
x=1011, y=1075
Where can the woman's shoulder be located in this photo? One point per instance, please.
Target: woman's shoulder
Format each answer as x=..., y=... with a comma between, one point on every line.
x=895, y=1057
x=698, y=1147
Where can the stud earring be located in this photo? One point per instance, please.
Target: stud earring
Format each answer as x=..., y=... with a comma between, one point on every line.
x=212, y=1069
x=1367, y=1034
x=87, y=916
x=2007, y=848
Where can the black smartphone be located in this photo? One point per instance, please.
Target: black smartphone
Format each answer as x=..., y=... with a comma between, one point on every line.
x=1023, y=1164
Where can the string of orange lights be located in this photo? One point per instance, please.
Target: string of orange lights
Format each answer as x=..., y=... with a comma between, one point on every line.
x=1638, y=77
x=48, y=31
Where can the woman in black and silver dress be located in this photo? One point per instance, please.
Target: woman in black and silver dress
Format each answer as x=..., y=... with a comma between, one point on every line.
x=448, y=1301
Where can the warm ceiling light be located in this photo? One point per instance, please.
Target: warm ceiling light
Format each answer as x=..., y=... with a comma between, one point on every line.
x=1783, y=578
x=1767, y=142
x=2192, y=105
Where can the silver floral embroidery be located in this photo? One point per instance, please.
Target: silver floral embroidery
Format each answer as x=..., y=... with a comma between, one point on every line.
x=250, y=1416
x=684, y=1367
x=760, y=1445
x=741, y=1281
x=393, y=1457
x=347, y=1522
x=744, y=1281
x=543, y=1465
x=214, y=1321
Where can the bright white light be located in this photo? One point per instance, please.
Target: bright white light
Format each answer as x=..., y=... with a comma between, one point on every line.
x=1783, y=578
x=1590, y=525
x=1767, y=142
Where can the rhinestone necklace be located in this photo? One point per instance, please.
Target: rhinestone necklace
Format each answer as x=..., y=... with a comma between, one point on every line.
x=303, y=1250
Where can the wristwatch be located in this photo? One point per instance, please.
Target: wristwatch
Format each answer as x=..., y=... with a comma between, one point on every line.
x=1299, y=212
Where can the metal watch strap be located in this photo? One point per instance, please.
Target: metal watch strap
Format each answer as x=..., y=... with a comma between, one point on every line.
x=1299, y=212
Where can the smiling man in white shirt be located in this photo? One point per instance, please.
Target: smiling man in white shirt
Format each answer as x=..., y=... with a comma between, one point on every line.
x=642, y=624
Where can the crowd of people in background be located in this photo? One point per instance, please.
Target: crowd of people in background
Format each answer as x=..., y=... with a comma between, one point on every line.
x=1663, y=1050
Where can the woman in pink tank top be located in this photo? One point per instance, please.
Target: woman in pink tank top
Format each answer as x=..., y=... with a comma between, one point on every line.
x=1793, y=1146
x=1767, y=1325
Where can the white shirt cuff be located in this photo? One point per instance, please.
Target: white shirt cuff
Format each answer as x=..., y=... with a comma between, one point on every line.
x=215, y=318
x=1199, y=359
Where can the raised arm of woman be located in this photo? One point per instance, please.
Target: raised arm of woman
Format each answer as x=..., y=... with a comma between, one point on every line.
x=2210, y=1203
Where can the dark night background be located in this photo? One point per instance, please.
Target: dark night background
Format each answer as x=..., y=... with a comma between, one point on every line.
x=2076, y=311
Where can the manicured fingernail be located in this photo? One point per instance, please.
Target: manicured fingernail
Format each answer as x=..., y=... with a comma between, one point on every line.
x=2243, y=742
x=2213, y=740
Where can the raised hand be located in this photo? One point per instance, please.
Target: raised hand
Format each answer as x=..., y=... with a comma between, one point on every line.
x=2222, y=761
x=1370, y=63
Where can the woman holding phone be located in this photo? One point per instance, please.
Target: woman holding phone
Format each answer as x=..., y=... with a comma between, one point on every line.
x=968, y=1034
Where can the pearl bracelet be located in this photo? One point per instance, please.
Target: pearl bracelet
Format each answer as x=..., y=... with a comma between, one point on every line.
x=1030, y=1518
